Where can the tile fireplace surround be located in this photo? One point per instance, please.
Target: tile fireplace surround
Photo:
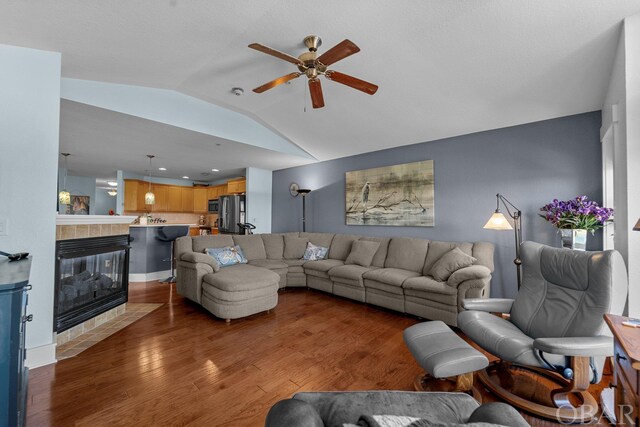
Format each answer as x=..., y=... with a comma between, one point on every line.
x=83, y=226
x=70, y=227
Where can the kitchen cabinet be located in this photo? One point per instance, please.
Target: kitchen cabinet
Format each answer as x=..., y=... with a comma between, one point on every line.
x=187, y=199
x=214, y=192
x=174, y=199
x=130, y=195
x=134, y=192
x=237, y=186
x=162, y=202
x=200, y=200
x=143, y=189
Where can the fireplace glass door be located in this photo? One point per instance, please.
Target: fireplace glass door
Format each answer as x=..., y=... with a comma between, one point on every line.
x=89, y=278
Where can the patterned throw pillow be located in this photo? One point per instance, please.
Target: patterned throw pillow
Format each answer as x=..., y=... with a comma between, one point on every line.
x=229, y=255
x=314, y=252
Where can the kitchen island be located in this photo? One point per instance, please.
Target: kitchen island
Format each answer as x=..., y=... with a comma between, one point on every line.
x=151, y=250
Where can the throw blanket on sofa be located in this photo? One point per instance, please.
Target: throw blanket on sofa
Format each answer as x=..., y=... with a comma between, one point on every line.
x=402, y=421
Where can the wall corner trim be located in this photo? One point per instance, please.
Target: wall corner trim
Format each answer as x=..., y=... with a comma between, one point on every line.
x=41, y=356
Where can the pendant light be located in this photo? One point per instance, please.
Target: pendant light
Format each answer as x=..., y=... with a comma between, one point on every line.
x=150, y=198
x=64, y=197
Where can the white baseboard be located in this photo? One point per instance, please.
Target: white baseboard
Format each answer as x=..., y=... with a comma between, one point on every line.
x=40, y=356
x=148, y=277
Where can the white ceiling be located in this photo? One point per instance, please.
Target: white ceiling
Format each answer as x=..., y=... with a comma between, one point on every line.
x=444, y=67
x=101, y=141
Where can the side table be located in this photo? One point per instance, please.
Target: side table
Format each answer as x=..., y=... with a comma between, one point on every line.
x=626, y=369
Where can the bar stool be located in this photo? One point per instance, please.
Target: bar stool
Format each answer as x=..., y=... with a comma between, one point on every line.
x=170, y=234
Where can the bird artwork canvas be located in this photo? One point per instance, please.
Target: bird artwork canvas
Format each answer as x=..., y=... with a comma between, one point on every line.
x=398, y=195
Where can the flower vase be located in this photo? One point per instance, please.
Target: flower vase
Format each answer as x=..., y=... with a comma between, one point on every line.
x=575, y=239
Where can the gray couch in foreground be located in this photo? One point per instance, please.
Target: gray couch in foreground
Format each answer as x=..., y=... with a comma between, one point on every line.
x=399, y=276
x=319, y=409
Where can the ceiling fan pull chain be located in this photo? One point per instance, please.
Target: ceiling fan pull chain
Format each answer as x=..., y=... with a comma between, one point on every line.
x=305, y=99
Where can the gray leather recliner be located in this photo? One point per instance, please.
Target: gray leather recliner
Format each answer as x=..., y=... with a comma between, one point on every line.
x=556, y=320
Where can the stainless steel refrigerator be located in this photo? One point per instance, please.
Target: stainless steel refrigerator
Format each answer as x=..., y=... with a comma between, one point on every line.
x=231, y=211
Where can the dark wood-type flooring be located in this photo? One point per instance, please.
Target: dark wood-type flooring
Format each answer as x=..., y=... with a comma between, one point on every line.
x=180, y=365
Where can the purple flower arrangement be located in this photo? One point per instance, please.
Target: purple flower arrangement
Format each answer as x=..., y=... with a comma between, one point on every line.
x=578, y=213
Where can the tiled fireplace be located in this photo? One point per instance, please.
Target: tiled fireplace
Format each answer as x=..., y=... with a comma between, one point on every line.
x=92, y=276
x=92, y=269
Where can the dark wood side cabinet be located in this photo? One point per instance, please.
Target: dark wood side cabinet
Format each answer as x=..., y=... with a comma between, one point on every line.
x=627, y=369
x=14, y=284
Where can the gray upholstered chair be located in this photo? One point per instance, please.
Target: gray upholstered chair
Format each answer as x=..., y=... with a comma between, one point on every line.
x=319, y=409
x=555, y=326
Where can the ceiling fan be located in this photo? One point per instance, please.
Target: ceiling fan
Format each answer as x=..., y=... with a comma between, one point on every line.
x=313, y=66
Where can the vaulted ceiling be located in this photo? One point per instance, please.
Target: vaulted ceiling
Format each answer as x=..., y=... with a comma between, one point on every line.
x=444, y=67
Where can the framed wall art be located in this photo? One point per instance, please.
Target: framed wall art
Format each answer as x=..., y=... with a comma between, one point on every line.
x=398, y=195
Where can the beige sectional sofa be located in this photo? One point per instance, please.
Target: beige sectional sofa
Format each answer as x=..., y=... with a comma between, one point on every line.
x=398, y=277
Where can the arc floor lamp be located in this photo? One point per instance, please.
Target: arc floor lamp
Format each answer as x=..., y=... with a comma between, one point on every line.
x=499, y=222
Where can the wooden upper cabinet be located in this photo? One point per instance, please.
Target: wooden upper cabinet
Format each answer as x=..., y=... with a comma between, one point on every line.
x=162, y=203
x=187, y=199
x=170, y=198
x=174, y=199
x=237, y=186
x=212, y=193
x=143, y=189
x=200, y=200
x=130, y=195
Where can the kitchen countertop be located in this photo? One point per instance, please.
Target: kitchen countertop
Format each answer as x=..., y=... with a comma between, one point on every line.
x=164, y=224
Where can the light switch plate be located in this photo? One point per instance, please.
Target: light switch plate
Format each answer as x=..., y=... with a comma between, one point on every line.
x=4, y=227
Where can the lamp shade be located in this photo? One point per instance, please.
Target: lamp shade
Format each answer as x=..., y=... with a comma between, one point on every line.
x=498, y=222
x=637, y=226
x=64, y=197
x=149, y=198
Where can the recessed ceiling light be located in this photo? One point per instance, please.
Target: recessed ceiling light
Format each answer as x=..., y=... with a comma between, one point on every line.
x=185, y=177
x=162, y=169
x=215, y=170
x=112, y=183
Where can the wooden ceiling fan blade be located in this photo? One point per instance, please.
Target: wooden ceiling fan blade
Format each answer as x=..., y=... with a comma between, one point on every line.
x=340, y=51
x=351, y=81
x=315, y=88
x=281, y=55
x=276, y=82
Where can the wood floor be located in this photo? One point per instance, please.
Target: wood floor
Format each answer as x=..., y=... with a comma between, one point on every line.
x=181, y=366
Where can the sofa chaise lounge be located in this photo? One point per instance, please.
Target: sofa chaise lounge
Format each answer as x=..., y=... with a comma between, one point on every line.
x=398, y=276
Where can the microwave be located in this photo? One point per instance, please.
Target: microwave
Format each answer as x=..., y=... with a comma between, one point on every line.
x=213, y=206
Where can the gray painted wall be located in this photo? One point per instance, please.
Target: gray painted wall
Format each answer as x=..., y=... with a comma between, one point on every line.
x=78, y=186
x=530, y=164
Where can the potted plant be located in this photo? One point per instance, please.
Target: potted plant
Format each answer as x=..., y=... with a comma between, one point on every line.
x=574, y=218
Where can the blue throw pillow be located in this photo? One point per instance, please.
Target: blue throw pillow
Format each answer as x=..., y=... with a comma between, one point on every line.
x=228, y=255
x=314, y=252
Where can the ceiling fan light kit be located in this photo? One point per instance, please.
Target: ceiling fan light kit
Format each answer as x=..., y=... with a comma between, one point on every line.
x=314, y=66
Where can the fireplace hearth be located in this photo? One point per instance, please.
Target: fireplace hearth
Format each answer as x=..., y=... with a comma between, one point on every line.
x=92, y=277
